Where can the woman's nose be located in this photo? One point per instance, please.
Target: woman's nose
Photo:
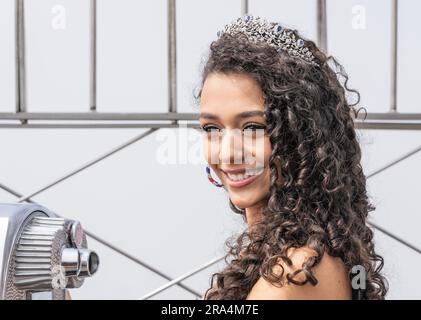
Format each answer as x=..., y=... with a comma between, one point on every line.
x=231, y=150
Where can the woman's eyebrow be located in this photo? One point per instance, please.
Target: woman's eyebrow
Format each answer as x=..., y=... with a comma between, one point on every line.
x=245, y=114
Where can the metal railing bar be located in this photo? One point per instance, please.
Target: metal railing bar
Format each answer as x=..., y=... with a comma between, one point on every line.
x=112, y=247
x=167, y=116
x=395, y=237
x=96, y=126
x=396, y=161
x=87, y=165
x=99, y=116
x=387, y=125
x=172, y=57
x=181, y=278
x=358, y=125
x=244, y=7
x=322, y=25
x=13, y=192
x=140, y=262
x=394, y=57
x=92, y=73
x=20, y=57
x=392, y=116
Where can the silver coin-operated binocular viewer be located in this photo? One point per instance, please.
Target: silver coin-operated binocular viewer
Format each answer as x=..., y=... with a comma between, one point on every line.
x=41, y=254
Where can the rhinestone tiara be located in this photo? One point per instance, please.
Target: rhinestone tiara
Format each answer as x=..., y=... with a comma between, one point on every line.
x=258, y=29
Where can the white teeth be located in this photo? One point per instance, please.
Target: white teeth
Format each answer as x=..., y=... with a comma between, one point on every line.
x=236, y=177
x=254, y=172
x=249, y=173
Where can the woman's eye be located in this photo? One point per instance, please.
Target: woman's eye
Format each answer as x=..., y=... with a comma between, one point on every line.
x=210, y=129
x=253, y=127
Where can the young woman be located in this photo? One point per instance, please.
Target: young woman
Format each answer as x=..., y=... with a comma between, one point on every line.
x=303, y=194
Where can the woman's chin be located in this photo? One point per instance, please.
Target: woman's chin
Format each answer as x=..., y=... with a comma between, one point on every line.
x=241, y=203
x=248, y=199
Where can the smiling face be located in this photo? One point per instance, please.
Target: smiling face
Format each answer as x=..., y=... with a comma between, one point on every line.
x=236, y=146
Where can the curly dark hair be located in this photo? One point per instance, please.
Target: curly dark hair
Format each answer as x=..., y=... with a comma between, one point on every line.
x=322, y=202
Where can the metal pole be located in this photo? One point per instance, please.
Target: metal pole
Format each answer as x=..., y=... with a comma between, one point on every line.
x=244, y=7
x=93, y=26
x=172, y=58
x=322, y=25
x=394, y=57
x=20, y=58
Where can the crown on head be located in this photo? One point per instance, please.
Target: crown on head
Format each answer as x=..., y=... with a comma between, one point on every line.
x=258, y=29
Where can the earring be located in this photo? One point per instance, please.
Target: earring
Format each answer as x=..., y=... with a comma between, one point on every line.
x=212, y=180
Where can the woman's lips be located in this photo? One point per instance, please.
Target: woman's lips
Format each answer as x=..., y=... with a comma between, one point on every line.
x=241, y=183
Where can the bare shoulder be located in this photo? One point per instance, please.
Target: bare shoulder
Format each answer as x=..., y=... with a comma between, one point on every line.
x=67, y=295
x=330, y=272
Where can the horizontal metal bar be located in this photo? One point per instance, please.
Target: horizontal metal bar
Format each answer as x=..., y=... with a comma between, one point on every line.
x=387, y=125
x=98, y=116
x=167, y=116
x=111, y=246
x=376, y=121
x=95, y=126
x=392, y=116
x=358, y=125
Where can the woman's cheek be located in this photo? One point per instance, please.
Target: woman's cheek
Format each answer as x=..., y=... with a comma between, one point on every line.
x=261, y=152
x=267, y=151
